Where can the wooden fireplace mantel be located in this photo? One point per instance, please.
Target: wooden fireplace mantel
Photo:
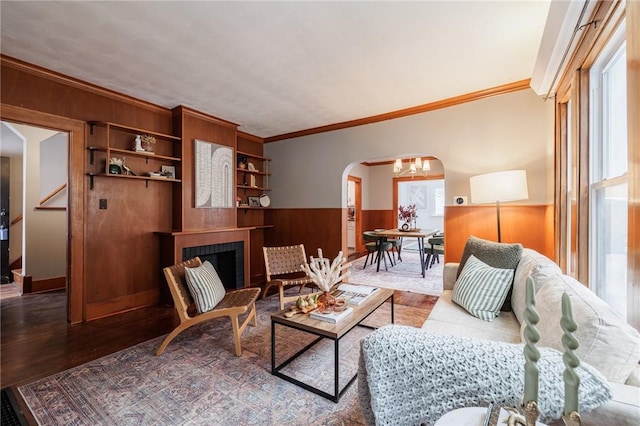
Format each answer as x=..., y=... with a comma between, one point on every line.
x=172, y=244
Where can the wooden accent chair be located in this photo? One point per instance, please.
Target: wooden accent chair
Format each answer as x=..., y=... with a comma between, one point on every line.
x=282, y=266
x=234, y=304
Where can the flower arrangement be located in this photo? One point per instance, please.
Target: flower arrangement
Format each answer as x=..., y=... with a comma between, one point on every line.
x=148, y=139
x=407, y=214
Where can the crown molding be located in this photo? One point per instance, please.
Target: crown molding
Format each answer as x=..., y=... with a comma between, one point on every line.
x=432, y=106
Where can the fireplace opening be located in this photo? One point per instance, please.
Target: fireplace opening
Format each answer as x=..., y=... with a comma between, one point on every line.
x=226, y=258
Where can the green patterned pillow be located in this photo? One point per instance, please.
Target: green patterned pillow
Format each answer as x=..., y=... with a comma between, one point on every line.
x=205, y=286
x=481, y=289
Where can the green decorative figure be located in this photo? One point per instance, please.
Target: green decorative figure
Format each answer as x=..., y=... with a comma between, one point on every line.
x=571, y=361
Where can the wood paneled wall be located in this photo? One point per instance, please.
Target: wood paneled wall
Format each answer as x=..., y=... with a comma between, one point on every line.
x=315, y=228
x=193, y=125
x=119, y=246
x=530, y=225
x=377, y=219
x=38, y=89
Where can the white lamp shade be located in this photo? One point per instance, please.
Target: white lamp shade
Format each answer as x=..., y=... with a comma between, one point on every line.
x=500, y=186
x=418, y=163
x=397, y=166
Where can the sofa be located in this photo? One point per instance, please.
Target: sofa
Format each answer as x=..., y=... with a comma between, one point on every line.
x=609, y=352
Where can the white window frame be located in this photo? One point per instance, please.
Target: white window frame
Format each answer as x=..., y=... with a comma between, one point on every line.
x=597, y=179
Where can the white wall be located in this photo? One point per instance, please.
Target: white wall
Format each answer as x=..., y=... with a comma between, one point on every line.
x=45, y=231
x=53, y=169
x=511, y=131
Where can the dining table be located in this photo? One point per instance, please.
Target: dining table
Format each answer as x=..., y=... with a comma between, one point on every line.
x=419, y=234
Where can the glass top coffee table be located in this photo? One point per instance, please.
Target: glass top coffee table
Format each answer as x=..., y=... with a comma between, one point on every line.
x=325, y=330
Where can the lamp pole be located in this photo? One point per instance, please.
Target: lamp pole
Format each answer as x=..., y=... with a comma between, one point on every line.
x=498, y=216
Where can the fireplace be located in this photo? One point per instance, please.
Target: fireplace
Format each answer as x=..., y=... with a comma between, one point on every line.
x=226, y=258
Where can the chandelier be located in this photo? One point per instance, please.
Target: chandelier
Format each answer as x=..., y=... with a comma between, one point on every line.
x=416, y=167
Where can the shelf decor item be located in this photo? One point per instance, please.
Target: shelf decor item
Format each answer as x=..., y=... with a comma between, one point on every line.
x=253, y=201
x=138, y=144
x=148, y=142
x=115, y=165
x=169, y=171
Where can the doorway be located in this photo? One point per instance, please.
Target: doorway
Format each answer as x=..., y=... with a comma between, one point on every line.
x=76, y=131
x=354, y=215
x=427, y=194
x=36, y=161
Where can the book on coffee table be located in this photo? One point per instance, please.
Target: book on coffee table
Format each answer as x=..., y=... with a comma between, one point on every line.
x=332, y=317
x=353, y=294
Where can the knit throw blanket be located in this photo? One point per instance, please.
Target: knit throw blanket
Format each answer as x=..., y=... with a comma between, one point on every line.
x=409, y=376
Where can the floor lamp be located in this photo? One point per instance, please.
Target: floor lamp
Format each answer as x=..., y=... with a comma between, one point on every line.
x=499, y=187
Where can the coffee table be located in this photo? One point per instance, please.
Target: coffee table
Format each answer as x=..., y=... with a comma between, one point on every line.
x=325, y=330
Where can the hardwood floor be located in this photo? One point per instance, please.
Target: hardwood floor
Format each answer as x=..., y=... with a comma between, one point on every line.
x=36, y=340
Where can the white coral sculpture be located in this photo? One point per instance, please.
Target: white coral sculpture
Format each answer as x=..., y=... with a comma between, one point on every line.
x=325, y=274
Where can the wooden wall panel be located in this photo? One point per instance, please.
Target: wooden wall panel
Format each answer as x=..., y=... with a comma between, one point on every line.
x=378, y=219
x=35, y=88
x=530, y=225
x=119, y=263
x=123, y=247
x=315, y=228
x=200, y=126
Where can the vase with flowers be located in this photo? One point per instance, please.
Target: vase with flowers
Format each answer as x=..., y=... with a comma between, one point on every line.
x=147, y=142
x=408, y=216
x=325, y=275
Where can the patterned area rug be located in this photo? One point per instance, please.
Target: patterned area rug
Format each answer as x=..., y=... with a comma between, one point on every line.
x=199, y=381
x=405, y=275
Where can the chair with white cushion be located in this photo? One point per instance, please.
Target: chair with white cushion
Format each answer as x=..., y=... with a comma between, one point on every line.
x=209, y=293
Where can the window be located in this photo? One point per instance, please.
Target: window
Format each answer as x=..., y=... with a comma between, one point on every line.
x=428, y=195
x=608, y=180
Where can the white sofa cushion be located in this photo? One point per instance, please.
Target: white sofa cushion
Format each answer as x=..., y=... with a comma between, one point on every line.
x=482, y=289
x=607, y=342
x=539, y=267
x=447, y=317
x=498, y=255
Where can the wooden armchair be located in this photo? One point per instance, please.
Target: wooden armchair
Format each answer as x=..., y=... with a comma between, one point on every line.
x=234, y=304
x=282, y=266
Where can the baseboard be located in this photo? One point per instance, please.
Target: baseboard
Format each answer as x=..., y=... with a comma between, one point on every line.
x=23, y=282
x=49, y=284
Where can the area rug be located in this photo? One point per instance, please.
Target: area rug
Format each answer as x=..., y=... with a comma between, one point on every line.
x=199, y=381
x=404, y=276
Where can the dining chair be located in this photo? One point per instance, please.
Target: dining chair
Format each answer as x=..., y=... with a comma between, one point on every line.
x=372, y=242
x=435, y=249
x=396, y=244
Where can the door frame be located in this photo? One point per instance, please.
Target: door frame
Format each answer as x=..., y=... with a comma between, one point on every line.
x=358, y=208
x=76, y=205
x=396, y=180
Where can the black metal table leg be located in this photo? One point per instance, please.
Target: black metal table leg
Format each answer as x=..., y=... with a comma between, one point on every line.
x=422, y=261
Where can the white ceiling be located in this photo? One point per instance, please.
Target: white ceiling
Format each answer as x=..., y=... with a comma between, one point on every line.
x=280, y=67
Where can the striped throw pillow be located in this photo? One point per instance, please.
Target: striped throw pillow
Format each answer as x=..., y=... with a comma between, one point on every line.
x=205, y=286
x=481, y=289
